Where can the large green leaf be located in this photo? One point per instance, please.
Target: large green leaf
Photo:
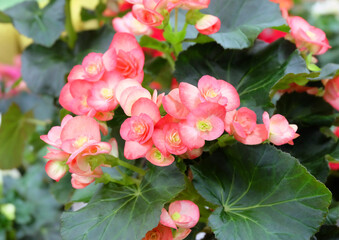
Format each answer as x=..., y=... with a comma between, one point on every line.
x=121, y=212
x=243, y=20
x=43, y=25
x=14, y=133
x=44, y=69
x=253, y=72
x=263, y=193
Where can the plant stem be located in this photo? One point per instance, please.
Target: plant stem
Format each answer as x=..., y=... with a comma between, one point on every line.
x=130, y=167
x=72, y=35
x=176, y=20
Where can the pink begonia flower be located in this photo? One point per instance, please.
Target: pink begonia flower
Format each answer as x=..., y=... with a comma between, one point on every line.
x=208, y=24
x=104, y=116
x=192, y=154
x=160, y=232
x=333, y=166
x=130, y=57
x=77, y=132
x=188, y=4
x=73, y=97
x=53, y=136
x=93, y=66
x=284, y=4
x=103, y=128
x=307, y=37
x=182, y=214
x=56, y=169
x=130, y=24
x=300, y=89
x=173, y=105
x=243, y=125
x=166, y=137
x=79, y=182
x=101, y=96
x=181, y=233
x=331, y=94
x=209, y=90
x=270, y=35
x=149, y=12
x=138, y=130
x=279, y=130
x=115, y=150
x=205, y=122
x=155, y=157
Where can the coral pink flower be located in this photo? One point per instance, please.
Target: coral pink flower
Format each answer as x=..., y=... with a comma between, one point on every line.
x=208, y=24
x=93, y=66
x=173, y=105
x=209, y=90
x=243, y=125
x=270, y=35
x=166, y=137
x=130, y=57
x=333, y=166
x=79, y=182
x=56, y=169
x=161, y=232
x=307, y=37
x=77, y=132
x=53, y=136
x=205, y=122
x=331, y=94
x=155, y=157
x=188, y=4
x=138, y=130
x=129, y=24
x=192, y=154
x=279, y=130
x=284, y=4
x=101, y=96
x=181, y=233
x=149, y=12
x=182, y=214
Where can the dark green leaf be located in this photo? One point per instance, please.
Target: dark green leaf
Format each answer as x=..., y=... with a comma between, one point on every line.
x=328, y=233
x=243, y=20
x=328, y=71
x=310, y=148
x=62, y=190
x=44, y=69
x=85, y=194
x=253, y=72
x=305, y=110
x=15, y=130
x=263, y=193
x=153, y=43
x=43, y=25
x=120, y=212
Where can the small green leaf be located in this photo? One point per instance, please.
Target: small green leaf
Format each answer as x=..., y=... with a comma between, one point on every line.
x=15, y=130
x=262, y=193
x=43, y=25
x=153, y=43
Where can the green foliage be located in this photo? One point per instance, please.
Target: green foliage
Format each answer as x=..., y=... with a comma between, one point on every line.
x=262, y=193
x=43, y=25
x=15, y=130
x=120, y=212
x=253, y=72
x=243, y=20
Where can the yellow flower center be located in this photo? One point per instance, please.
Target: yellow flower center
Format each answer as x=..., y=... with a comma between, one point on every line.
x=211, y=93
x=176, y=216
x=80, y=141
x=92, y=69
x=312, y=35
x=204, y=125
x=107, y=93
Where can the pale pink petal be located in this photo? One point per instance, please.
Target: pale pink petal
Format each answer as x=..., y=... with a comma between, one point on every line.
x=173, y=105
x=56, y=154
x=181, y=233
x=79, y=182
x=77, y=73
x=130, y=96
x=190, y=136
x=115, y=150
x=109, y=59
x=56, y=169
x=227, y=90
x=148, y=107
x=158, y=138
x=123, y=85
x=135, y=150
x=187, y=210
x=166, y=220
x=189, y=95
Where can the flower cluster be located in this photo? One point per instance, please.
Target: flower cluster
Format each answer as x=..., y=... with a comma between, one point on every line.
x=182, y=216
x=147, y=14
x=75, y=142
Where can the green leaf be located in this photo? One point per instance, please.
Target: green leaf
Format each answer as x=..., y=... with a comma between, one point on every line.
x=253, y=72
x=44, y=69
x=120, y=212
x=243, y=20
x=153, y=43
x=262, y=193
x=328, y=71
x=43, y=25
x=85, y=194
x=4, y=18
x=15, y=130
x=305, y=110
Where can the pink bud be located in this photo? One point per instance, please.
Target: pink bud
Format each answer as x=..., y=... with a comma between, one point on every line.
x=208, y=24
